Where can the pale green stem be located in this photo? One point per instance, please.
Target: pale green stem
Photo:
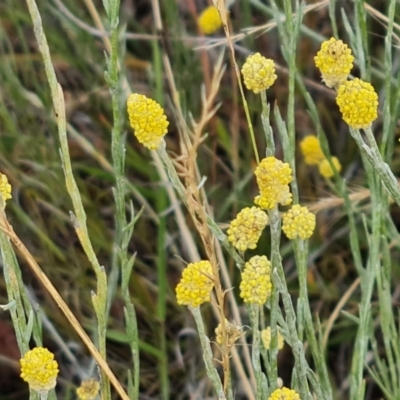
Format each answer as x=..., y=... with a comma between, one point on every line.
x=212, y=373
x=79, y=219
x=374, y=157
x=279, y=281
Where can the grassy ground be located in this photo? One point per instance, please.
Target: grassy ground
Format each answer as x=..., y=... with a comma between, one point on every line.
x=163, y=240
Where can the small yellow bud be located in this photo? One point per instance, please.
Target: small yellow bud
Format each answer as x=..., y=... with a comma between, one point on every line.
x=358, y=103
x=195, y=285
x=256, y=285
x=335, y=62
x=39, y=369
x=209, y=20
x=258, y=73
x=147, y=119
x=298, y=222
x=311, y=150
x=325, y=168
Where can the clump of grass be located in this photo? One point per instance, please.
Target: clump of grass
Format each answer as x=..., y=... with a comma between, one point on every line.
x=128, y=235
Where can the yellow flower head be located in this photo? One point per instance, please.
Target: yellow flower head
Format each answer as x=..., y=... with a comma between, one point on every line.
x=196, y=284
x=325, y=168
x=209, y=20
x=5, y=188
x=273, y=177
x=284, y=394
x=256, y=285
x=298, y=222
x=39, y=369
x=147, y=119
x=88, y=389
x=266, y=338
x=258, y=73
x=358, y=103
x=246, y=229
x=311, y=150
x=335, y=62
x=232, y=333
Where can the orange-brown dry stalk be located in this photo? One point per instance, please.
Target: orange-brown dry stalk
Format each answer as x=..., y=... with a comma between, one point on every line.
x=196, y=207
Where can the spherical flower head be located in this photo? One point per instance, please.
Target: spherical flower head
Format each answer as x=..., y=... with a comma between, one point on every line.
x=326, y=170
x=273, y=177
x=298, y=222
x=196, y=284
x=147, y=119
x=284, y=394
x=245, y=230
x=255, y=287
x=232, y=333
x=5, y=188
x=209, y=20
x=335, y=62
x=39, y=369
x=358, y=103
x=88, y=389
x=311, y=150
x=266, y=338
x=258, y=73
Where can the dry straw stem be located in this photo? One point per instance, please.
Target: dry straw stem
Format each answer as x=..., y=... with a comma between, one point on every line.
x=8, y=229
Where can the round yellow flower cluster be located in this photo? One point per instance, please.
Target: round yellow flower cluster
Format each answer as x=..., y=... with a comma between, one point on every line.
x=266, y=338
x=357, y=100
x=196, y=284
x=273, y=178
x=5, y=188
x=245, y=230
x=358, y=103
x=298, y=222
x=232, y=333
x=284, y=394
x=335, y=62
x=311, y=150
x=88, y=389
x=39, y=369
x=209, y=20
x=256, y=285
x=325, y=168
x=147, y=119
x=258, y=73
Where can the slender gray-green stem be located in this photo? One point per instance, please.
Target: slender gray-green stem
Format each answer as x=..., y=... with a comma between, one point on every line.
x=99, y=298
x=122, y=264
x=367, y=282
x=254, y=314
x=207, y=353
x=372, y=154
x=301, y=252
x=279, y=281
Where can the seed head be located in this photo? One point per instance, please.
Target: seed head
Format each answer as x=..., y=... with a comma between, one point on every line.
x=232, y=333
x=335, y=62
x=258, y=73
x=298, y=222
x=88, y=389
x=358, y=103
x=39, y=369
x=256, y=285
x=245, y=230
x=147, y=119
x=195, y=285
x=209, y=20
x=311, y=150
